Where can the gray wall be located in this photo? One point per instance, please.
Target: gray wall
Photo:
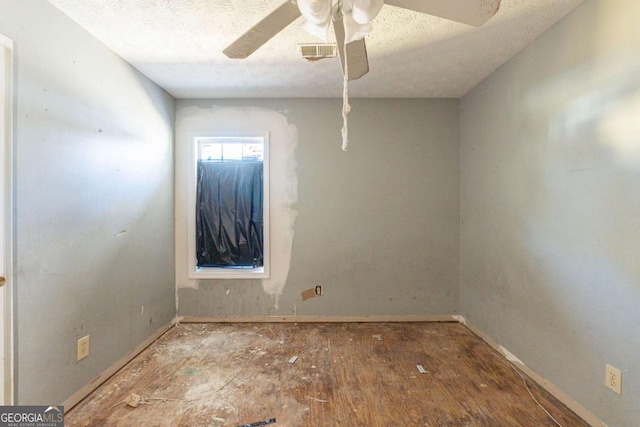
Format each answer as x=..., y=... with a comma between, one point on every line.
x=540, y=200
x=377, y=225
x=550, y=206
x=94, y=197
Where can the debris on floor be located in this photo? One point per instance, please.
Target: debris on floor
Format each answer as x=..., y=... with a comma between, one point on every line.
x=133, y=400
x=223, y=374
x=259, y=423
x=317, y=400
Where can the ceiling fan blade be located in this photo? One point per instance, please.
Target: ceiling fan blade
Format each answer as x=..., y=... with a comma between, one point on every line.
x=263, y=31
x=472, y=12
x=356, y=53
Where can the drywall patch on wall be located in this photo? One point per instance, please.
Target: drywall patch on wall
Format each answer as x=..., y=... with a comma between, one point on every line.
x=283, y=180
x=283, y=196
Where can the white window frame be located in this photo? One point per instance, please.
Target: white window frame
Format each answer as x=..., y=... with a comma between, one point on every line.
x=196, y=272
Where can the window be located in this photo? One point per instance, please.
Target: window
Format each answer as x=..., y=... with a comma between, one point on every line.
x=229, y=213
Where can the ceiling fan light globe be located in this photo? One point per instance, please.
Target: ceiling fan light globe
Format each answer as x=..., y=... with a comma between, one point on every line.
x=365, y=11
x=320, y=31
x=315, y=11
x=345, y=5
x=353, y=30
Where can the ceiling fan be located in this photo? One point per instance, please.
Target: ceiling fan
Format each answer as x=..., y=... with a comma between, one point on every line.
x=351, y=22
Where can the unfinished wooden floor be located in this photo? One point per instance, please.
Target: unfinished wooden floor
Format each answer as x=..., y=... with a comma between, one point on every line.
x=355, y=374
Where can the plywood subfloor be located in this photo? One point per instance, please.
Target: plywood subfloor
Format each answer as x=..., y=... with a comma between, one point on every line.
x=354, y=374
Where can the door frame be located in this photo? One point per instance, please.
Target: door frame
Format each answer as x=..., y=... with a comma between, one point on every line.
x=6, y=140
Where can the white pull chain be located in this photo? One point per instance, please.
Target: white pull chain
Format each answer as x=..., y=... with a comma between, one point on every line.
x=345, y=98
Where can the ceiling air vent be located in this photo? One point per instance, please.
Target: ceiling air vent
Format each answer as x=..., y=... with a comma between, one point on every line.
x=318, y=51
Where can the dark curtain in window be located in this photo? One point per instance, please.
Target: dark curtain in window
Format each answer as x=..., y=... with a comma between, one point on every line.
x=229, y=219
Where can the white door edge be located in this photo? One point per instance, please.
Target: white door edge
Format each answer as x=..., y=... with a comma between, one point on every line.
x=6, y=168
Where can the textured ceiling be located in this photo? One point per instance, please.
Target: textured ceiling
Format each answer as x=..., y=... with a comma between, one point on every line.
x=179, y=43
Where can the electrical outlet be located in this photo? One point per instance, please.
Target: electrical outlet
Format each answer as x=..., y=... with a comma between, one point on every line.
x=613, y=379
x=319, y=290
x=83, y=347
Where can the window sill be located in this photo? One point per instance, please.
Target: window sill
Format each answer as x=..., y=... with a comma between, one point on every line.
x=224, y=273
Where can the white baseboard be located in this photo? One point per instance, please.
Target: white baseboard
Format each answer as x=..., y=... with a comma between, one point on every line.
x=79, y=395
x=317, y=319
x=563, y=397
